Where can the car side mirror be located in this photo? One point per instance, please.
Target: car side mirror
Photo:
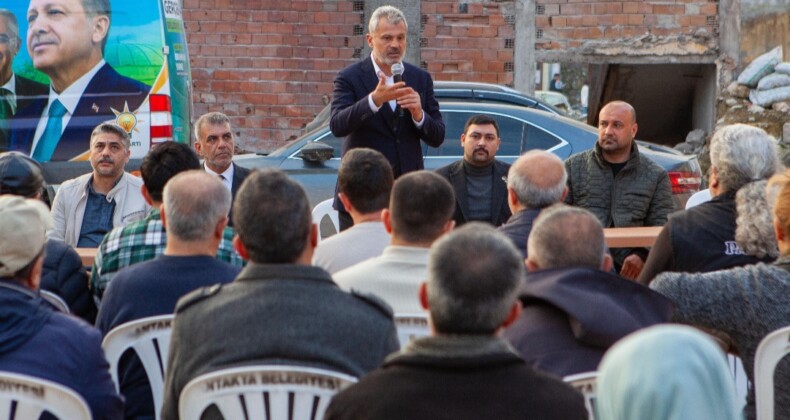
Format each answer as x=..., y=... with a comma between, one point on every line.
x=317, y=152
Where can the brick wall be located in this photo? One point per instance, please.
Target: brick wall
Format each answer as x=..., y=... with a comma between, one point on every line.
x=468, y=41
x=564, y=24
x=270, y=64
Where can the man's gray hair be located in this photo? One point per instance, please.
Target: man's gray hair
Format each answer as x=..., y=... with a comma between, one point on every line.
x=474, y=274
x=742, y=154
x=211, y=118
x=13, y=26
x=195, y=202
x=745, y=157
x=272, y=217
x=565, y=236
x=112, y=128
x=393, y=15
x=97, y=7
x=529, y=182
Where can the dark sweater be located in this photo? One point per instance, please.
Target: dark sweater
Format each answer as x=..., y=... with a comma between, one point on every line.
x=457, y=377
x=147, y=289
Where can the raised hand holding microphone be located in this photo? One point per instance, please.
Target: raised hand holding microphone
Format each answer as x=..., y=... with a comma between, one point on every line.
x=397, y=77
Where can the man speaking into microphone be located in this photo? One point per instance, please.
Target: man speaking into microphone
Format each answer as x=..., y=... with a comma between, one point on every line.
x=385, y=103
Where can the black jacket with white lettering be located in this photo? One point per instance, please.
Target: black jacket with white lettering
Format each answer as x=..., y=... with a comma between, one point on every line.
x=698, y=240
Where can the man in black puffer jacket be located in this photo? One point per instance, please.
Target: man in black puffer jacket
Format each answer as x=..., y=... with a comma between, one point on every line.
x=63, y=273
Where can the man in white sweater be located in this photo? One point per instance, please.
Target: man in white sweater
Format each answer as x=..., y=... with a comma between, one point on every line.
x=421, y=210
x=364, y=182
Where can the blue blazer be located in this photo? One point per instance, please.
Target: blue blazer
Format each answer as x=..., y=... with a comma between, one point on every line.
x=106, y=90
x=393, y=135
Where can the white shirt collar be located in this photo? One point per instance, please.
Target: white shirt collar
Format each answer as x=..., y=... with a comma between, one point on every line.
x=227, y=175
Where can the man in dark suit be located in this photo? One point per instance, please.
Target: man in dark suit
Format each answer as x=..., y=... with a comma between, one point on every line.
x=370, y=110
x=308, y=320
x=215, y=143
x=68, y=46
x=479, y=180
x=15, y=92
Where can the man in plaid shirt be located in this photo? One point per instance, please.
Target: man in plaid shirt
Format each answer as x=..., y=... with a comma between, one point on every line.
x=145, y=239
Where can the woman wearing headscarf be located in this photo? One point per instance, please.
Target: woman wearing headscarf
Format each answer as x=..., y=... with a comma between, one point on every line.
x=666, y=372
x=745, y=303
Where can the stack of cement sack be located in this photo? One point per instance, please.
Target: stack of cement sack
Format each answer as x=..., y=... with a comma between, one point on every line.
x=768, y=79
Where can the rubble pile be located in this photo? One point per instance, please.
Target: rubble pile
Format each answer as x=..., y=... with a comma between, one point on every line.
x=760, y=97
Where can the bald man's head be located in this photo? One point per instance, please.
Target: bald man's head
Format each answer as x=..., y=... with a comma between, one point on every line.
x=537, y=179
x=564, y=237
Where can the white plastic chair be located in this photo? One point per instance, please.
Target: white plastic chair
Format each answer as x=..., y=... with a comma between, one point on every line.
x=282, y=392
x=739, y=377
x=55, y=301
x=411, y=326
x=586, y=383
x=324, y=209
x=150, y=339
x=771, y=350
x=32, y=396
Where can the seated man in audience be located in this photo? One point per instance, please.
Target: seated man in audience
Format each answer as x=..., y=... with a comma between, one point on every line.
x=194, y=213
x=421, y=210
x=145, y=239
x=479, y=179
x=280, y=309
x=535, y=181
x=62, y=273
x=35, y=339
x=364, y=183
x=574, y=308
x=463, y=370
x=87, y=207
x=619, y=184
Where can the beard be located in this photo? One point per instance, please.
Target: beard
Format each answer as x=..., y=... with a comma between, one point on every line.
x=386, y=59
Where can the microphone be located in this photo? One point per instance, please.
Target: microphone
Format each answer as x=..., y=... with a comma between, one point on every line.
x=397, y=76
x=397, y=72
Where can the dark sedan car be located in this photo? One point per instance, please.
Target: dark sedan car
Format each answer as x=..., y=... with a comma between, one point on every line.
x=314, y=158
x=467, y=92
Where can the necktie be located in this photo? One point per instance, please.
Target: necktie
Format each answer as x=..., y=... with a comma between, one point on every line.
x=6, y=113
x=49, y=140
x=5, y=104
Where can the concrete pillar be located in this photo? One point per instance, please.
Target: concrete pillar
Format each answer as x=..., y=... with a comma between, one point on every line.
x=729, y=41
x=524, y=55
